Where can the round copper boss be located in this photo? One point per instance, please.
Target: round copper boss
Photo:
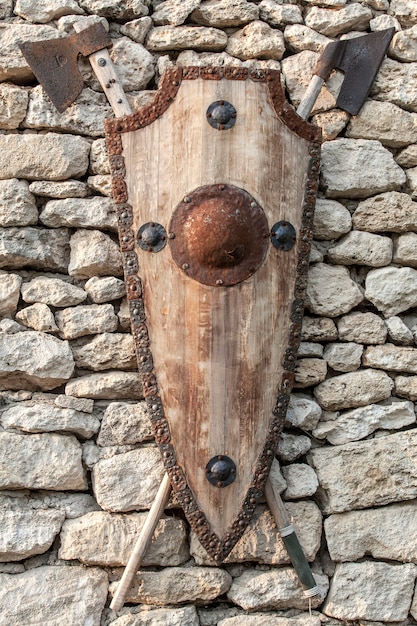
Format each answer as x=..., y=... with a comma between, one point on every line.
x=219, y=235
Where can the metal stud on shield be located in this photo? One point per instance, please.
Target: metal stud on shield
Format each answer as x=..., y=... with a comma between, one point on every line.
x=216, y=308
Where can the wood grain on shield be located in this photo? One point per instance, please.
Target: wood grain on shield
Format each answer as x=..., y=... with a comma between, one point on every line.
x=217, y=351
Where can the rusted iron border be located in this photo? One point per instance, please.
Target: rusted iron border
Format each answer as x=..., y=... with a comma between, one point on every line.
x=217, y=548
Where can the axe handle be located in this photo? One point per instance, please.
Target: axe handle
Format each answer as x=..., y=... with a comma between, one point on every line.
x=142, y=543
x=106, y=74
x=310, y=96
x=290, y=539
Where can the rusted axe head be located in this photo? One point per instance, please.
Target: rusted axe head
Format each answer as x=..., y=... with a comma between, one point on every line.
x=54, y=62
x=360, y=59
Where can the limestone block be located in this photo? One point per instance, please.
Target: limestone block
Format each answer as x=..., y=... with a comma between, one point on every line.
x=331, y=220
x=52, y=291
x=261, y=541
x=353, y=389
x=396, y=82
x=290, y=447
x=124, y=315
x=406, y=387
x=299, y=37
x=38, y=156
x=44, y=418
x=309, y=348
x=124, y=423
x=39, y=317
x=301, y=481
x=405, y=11
x=392, y=289
x=9, y=294
x=380, y=471
x=398, y=331
x=386, y=212
x=120, y=11
x=332, y=23
x=388, y=533
x=128, y=481
x=225, y=13
x=404, y=45
x=279, y=588
x=331, y=123
x=17, y=204
x=407, y=157
x=94, y=253
x=34, y=360
x=135, y=65
x=257, y=40
x=261, y=619
x=357, y=589
x=105, y=351
x=84, y=405
x=216, y=59
x=277, y=479
x=177, y=585
x=86, y=320
x=358, y=168
x=361, y=248
x=279, y=14
x=359, y=423
x=366, y=328
x=392, y=358
x=385, y=122
x=309, y=372
x=85, y=116
x=184, y=616
x=43, y=11
x=343, y=357
x=13, y=105
x=101, y=183
x=137, y=29
x=164, y=38
x=36, y=248
x=411, y=175
x=66, y=189
x=99, y=162
x=174, y=12
x=13, y=65
x=46, y=461
x=25, y=530
x=94, y=212
x=107, y=539
x=302, y=412
x=70, y=596
x=297, y=71
x=331, y=291
x=105, y=288
x=111, y=385
x=405, y=249
x=318, y=329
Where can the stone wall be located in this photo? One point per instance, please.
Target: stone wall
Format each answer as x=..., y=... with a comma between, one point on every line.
x=78, y=467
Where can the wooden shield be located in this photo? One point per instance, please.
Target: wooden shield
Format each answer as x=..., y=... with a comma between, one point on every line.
x=215, y=183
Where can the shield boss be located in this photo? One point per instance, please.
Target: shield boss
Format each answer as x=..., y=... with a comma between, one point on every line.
x=219, y=235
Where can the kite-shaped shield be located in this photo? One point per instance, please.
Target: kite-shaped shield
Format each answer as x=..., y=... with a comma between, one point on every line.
x=215, y=183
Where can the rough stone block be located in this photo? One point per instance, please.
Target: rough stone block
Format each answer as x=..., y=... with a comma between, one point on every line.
x=331, y=291
x=9, y=294
x=105, y=351
x=343, y=357
x=387, y=212
x=111, y=385
x=94, y=212
x=34, y=360
x=381, y=471
x=332, y=23
x=13, y=105
x=392, y=358
x=257, y=40
x=225, y=13
x=396, y=83
x=47, y=461
x=302, y=412
x=360, y=248
x=124, y=423
x=164, y=38
x=13, y=65
x=366, y=328
x=309, y=372
x=43, y=11
x=44, y=418
x=386, y=122
x=120, y=11
x=184, y=616
x=353, y=389
x=86, y=319
x=392, y=289
x=38, y=157
x=105, y=288
x=128, y=481
x=36, y=248
x=94, y=253
x=331, y=220
x=357, y=589
x=39, y=317
x=107, y=539
x=17, y=204
x=52, y=291
x=70, y=596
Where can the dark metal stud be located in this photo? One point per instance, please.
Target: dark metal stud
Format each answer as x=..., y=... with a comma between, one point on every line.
x=221, y=115
x=283, y=235
x=221, y=471
x=152, y=237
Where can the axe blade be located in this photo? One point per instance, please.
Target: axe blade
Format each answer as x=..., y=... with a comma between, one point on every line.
x=360, y=62
x=54, y=62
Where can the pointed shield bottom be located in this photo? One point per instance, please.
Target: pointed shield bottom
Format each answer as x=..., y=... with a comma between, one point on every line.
x=215, y=183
